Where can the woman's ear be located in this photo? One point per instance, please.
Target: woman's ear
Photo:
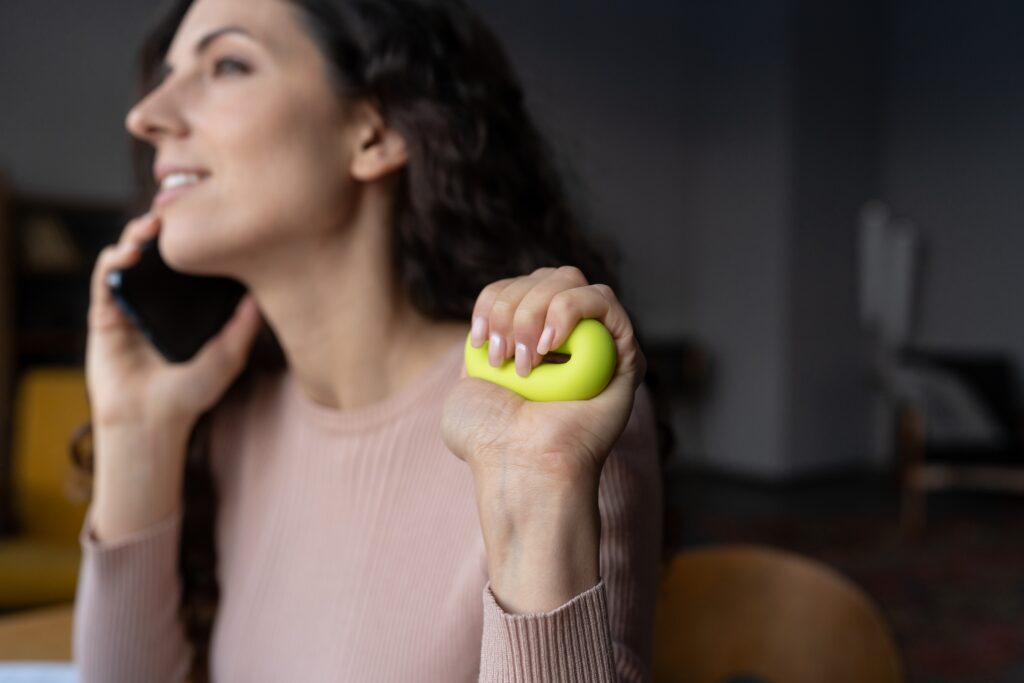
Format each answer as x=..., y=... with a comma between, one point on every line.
x=379, y=149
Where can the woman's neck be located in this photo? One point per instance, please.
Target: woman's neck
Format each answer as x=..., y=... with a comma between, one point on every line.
x=347, y=329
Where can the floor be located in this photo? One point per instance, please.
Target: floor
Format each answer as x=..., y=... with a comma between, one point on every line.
x=954, y=594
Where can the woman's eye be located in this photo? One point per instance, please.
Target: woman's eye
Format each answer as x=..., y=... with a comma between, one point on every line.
x=229, y=65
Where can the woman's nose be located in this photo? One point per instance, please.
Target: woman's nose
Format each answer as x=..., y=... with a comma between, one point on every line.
x=154, y=117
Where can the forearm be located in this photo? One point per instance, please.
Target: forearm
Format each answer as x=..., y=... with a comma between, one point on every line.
x=542, y=540
x=137, y=478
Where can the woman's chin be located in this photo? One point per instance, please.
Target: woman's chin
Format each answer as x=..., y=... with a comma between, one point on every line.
x=186, y=255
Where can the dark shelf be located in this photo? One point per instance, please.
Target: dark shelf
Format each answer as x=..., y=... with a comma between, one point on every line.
x=73, y=274
x=53, y=338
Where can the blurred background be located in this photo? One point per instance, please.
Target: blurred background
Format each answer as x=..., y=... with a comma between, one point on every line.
x=817, y=208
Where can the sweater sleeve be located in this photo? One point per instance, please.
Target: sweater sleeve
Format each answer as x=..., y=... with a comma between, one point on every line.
x=126, y=625
x=605, y=633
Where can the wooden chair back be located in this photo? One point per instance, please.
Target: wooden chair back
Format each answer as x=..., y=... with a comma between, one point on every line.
x=730, y=611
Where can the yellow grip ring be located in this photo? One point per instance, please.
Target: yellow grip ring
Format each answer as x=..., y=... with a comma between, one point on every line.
x=590, y=367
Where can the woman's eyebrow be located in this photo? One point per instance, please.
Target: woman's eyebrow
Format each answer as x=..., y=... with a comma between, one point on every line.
x=205, y=41
x=165, y=69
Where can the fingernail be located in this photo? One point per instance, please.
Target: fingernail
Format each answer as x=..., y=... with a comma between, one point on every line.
x=479, y=332
x=523, y=360
x=544, y=345
x=496, y=350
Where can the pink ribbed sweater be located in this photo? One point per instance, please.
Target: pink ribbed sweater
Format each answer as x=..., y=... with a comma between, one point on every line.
x=349, y=549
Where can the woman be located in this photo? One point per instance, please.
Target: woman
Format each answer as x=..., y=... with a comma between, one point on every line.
x=367, y=169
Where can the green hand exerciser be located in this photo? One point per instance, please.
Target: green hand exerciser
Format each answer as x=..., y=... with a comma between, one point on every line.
x=589, y=368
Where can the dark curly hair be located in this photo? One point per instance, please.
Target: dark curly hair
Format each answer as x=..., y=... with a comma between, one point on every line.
x=479, y=199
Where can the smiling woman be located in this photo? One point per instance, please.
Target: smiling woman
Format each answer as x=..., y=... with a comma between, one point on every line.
x=368, y=169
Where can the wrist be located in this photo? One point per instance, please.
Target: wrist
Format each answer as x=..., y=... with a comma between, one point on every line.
x=543, y=549
x=143, y=425
x=137, y=478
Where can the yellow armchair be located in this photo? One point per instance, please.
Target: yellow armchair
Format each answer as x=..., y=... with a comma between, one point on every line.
x=39, y=565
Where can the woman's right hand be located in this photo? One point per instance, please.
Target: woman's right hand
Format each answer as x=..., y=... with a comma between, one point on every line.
x=130, y=384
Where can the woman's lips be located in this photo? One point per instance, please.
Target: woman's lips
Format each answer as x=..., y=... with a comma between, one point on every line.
x=165, y=196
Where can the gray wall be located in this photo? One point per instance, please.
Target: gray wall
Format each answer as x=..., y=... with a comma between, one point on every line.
x=724, y=145
x=671, y=118
x=955, y=165
x=66, y=76
x=836, y=155
x=676, y=117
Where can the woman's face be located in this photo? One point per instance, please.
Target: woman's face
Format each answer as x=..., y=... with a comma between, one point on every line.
x=247, y=105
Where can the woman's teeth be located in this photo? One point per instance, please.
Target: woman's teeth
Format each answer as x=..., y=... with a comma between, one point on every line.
x=179, y=179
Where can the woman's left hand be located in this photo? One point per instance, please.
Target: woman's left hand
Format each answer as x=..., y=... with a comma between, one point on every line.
x=499, y=433
x=537, y=465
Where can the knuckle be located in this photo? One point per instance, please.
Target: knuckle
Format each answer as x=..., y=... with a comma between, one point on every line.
x=491, y=291
x=485, y=299
x=501, y=311
x=133, y=233
x=131, y=227
x=106, y=254
x=629, y=338
x=527, y=317
x=564, y=305
x=572, y=273
x=605, y=291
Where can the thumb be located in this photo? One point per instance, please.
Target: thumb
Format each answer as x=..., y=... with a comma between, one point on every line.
x=474, y=412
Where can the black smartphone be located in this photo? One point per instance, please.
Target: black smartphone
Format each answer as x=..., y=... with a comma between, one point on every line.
x=177, y=312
